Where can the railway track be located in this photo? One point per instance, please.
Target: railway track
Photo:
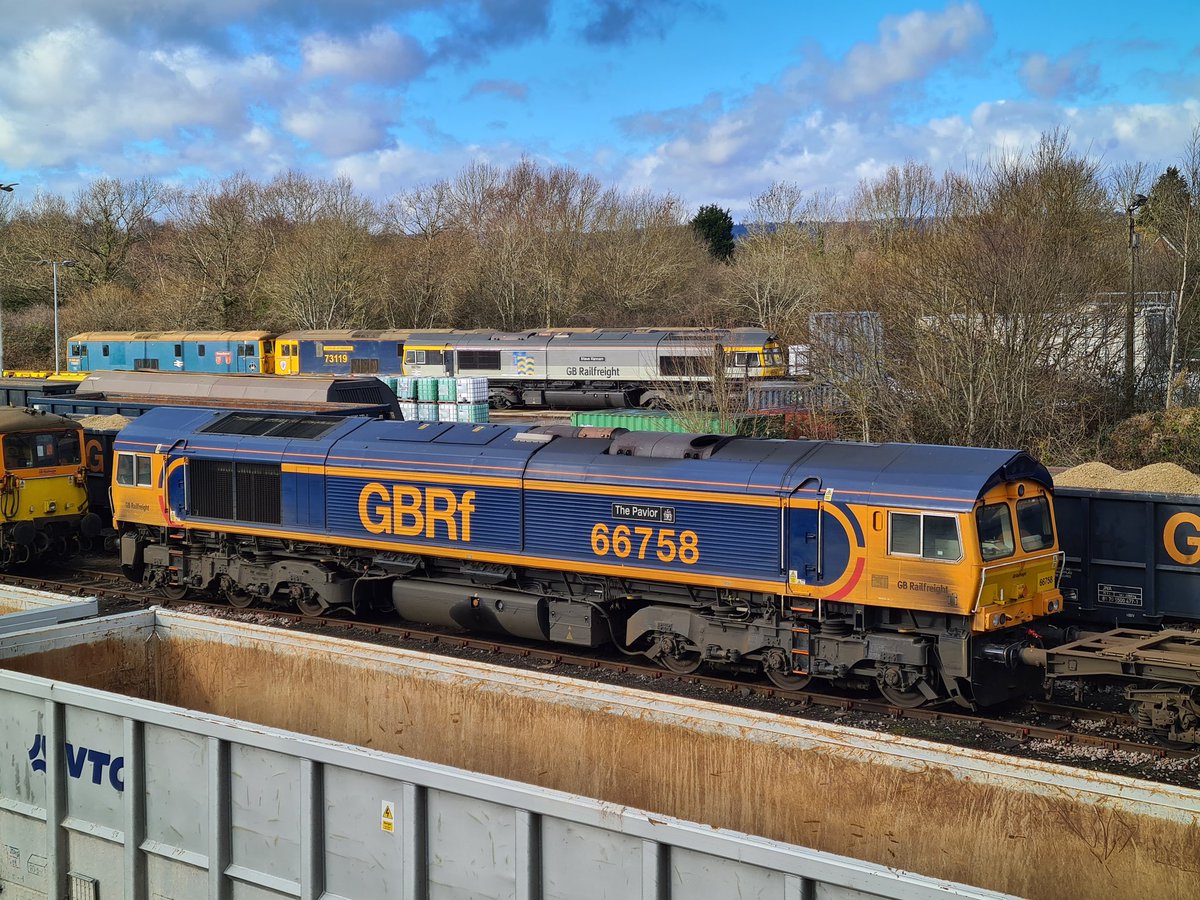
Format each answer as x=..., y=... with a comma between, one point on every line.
x=112, y=588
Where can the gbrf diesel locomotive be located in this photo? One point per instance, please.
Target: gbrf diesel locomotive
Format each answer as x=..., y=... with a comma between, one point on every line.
x=919, y=569
x=43, y=487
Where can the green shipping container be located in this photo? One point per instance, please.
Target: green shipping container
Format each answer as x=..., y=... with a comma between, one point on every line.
x=654, y=420
x=644, y=420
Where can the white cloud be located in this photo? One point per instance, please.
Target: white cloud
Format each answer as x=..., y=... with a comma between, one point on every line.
x=332, y=128
x=381, y=55
x=909, y=48
x=76, y=94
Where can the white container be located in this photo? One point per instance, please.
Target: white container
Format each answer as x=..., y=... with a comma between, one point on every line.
x=138, y=785
x=472, y=389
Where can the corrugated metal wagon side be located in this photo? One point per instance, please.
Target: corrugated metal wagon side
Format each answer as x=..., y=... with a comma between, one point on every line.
x=103, y=795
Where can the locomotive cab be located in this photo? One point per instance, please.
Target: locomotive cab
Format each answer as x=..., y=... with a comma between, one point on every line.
x=287, y=357
x=1018, y=557
x=764, y=361
x=43, y=487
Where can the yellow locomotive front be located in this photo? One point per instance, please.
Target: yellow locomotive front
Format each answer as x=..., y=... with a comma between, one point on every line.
x=43, y=487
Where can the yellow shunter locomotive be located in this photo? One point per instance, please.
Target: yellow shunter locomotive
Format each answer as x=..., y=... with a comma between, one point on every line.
x=43, y=486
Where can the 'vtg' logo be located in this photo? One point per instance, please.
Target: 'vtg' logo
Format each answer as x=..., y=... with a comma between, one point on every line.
x=78, y=760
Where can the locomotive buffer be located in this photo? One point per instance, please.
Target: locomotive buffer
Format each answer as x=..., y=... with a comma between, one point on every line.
x=1167, y=661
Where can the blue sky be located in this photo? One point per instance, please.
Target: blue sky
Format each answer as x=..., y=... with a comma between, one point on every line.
x=705, y=99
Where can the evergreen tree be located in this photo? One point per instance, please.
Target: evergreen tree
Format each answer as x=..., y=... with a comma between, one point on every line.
x=714, y=226
x=1169, y=197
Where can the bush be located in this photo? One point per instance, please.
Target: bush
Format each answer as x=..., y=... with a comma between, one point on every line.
x=1171, y=435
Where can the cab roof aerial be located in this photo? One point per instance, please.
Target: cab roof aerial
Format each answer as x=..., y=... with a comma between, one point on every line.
x=18, y=418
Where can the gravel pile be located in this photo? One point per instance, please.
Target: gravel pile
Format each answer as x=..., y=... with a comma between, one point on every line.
x=1162, y=478
x=103, y=423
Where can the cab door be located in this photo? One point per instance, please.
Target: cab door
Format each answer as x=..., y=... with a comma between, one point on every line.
x=287, y=357
x=803, y=540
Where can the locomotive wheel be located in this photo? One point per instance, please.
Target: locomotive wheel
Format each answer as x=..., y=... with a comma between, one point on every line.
x=787, y=680
x=681, y=663
x=306, y=599
x=679, y=657
x=310, y=607
x=174, y=591
x=239, y=598
x=778, y=669
x=909, y=699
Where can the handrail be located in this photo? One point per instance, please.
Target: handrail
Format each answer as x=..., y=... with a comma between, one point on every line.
x=1059, y=555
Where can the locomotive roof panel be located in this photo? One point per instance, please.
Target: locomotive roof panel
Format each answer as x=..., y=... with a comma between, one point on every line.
x=927, y=476
x=348, y=334
x=18, y=418
x=945, y=478
x=262, y=434
x=115, y=336
x=637, y=337
x=479, y=451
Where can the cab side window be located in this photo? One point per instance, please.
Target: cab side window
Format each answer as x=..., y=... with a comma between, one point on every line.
x=924, y=535
x=133, y=470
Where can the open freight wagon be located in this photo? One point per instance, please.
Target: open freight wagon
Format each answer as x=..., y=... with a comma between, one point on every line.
x=1132, y=558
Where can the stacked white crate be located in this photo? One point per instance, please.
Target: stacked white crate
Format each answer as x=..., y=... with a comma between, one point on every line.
x=462, y=399
x=406, y=393
x=472, y=399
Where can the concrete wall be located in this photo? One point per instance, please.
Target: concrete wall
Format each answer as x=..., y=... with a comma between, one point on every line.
x=1026, y=828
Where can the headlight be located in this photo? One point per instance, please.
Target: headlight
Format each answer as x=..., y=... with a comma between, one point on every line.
x=997, y=620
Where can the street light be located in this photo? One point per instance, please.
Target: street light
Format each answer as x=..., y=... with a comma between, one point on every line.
x=54, y=264
x=8, y=188
x=1138, y=200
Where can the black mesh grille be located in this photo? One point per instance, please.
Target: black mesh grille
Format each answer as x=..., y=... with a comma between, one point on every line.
x=211, y=488
x=257, y=492
x=239, y=492
x=347, y=392
x=281, y=426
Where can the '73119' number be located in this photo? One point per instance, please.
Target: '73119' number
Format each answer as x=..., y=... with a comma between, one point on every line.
x=665, y=543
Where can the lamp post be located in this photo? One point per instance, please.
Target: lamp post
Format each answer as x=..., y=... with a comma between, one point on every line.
x=1138, y=200
x=8, y=189
x=54, y=264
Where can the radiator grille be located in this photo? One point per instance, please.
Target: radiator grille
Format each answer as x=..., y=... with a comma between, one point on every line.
x=260, y=425
x=241, y=492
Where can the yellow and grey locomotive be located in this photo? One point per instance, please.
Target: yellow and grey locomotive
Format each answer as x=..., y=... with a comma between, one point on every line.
x=43, y=487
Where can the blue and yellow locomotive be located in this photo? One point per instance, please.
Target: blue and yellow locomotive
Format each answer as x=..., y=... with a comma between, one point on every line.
x=221, y=352
x=918, y=569
x=43, y=487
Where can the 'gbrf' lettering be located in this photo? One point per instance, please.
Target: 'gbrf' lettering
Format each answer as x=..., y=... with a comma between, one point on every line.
x=408, y=511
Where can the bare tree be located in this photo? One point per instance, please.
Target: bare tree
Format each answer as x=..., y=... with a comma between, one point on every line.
x=431, y=256
x=1177, y=223
x=112, y=218
x=770, y=279
x=217, y=251
x=990, y=315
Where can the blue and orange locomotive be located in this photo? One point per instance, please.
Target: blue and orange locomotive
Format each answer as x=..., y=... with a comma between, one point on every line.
x=914, y=568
